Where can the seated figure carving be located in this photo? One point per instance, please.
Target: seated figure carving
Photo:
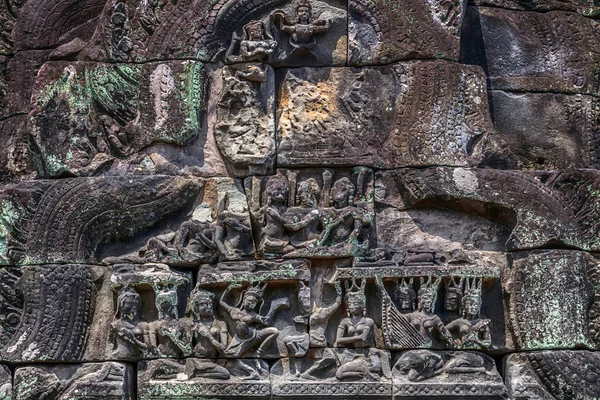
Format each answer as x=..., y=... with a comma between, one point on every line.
x=129, y=334
x=471, y=331
x=210, y=337
x=169, y=334
x=357, y=330
x=429, y=325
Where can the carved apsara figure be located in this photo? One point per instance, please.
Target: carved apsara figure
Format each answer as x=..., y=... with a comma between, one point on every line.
x=275, y=238
x=343, y=223
x=169, y=334
x=471, y=331
x=233, y=233
x=357, y=330
x=319, y=318
x=405, y=296
x=252, y=330
x=424, y=320
x=302, y=28
x=454, y=294
x=210, y=337
x=128, y=332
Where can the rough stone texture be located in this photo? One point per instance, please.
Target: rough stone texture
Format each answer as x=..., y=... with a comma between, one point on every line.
x=5, y=383
x=553, y=375
x=548, y=130
x=421, y=113
x=289, y=199
x=382, y=31
x=109, y=380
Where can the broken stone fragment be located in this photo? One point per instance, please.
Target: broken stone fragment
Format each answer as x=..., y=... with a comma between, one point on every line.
x=70, y=381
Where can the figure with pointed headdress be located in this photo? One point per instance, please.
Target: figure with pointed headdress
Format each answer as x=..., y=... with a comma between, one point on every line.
x=128, y=332
x=356, y=330
x=252, y=330
x=471, y=331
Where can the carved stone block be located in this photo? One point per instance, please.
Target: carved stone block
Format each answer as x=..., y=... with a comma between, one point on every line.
x=5, y=383
x=149, y=313
x=110, y=380
x=531, y=51
x=53, y=23
x=550, y=375
x=539, y=208
x=553, y=300
x=586, y=7
x=380, y=33
x=245, y=120
x=48, y=313
x=424, y=374
x=406, y=114
x=204, y=379
x=406, y=311
x=262, y=310
x=87, y=118
x=334, y=373
x=308, y=32
x=87, y=219
x=549, y=131
x=312, y=213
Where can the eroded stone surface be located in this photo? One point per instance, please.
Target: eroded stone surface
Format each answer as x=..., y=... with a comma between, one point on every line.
x=553, y=375
x=110, y=380
x=5, y=383
x=424, y=374
x=381, y=31
x=407, y=114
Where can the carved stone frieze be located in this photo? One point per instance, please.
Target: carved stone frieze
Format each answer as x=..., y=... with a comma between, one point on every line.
x=87, y=118
x=551, y=375
x=200, y=220
x=334, y=373
x=312, y=213
x=48, y=312
x=424, y=374
x=245, y=125
x=110, y=380
x=304, y=32
x=403, y=304
x=406, y=114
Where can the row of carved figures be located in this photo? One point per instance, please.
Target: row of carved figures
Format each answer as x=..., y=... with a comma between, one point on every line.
x=409, y=320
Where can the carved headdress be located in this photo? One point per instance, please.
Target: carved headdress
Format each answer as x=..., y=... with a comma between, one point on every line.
x=429, y=289
x=353, y=291
x=256, y=290
x=126, y=293
x=473, y=292
x=455, y=288
x=405, y=289
x=302, y=3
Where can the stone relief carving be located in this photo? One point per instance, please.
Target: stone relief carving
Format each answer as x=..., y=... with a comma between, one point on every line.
x=299, y=198
x=298, y=215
